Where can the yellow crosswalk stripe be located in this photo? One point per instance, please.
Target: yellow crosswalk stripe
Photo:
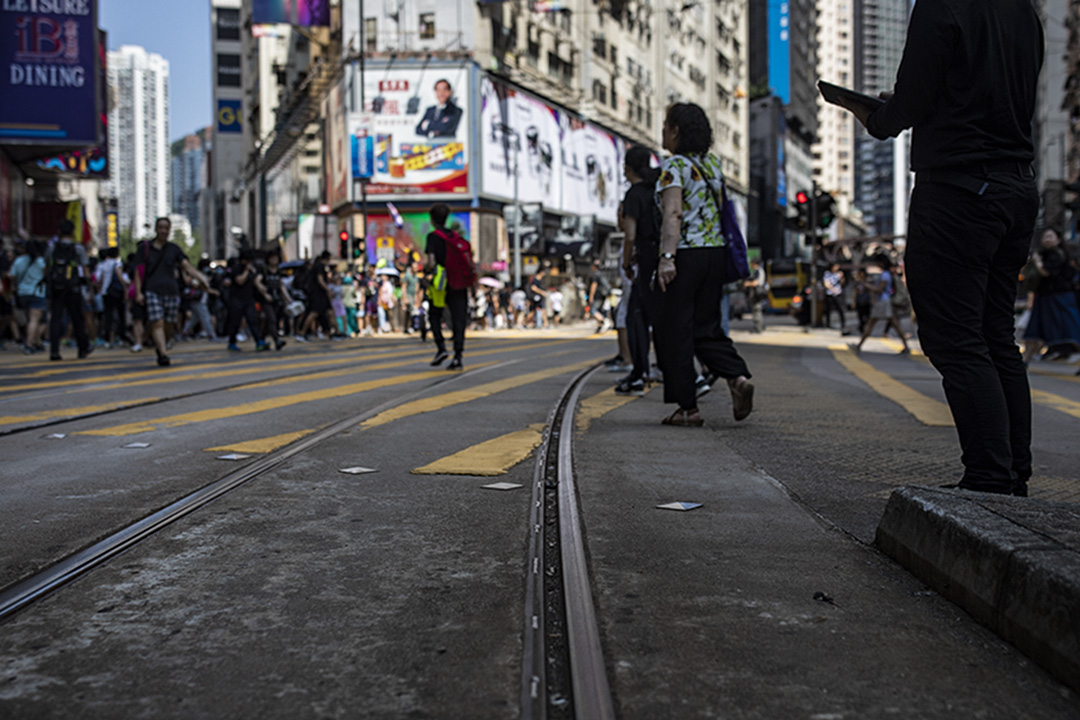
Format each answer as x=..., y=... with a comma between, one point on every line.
x=440, y=402
x=925, y=409
x=490, y=458
x=1056, y=402
x=261, y=405
x=262, y=445
x=599, y=405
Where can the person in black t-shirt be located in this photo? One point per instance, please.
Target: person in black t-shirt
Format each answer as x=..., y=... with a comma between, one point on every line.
x=967, y=86
x=457, y=301
x=244, y=286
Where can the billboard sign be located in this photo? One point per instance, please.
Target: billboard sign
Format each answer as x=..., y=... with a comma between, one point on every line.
x=362, y=141
x=49, y=73
x=421, y=128
x=337, y=146
x=305, y=13
x=230, y=116
x=780, y=49
x=593, y=181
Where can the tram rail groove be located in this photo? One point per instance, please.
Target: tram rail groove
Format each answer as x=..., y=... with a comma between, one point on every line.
x=24, y=593
x=563, y=669
x=172, y=398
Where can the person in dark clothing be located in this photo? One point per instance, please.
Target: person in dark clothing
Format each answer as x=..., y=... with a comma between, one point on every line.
x=277, y=298
x=243, y=284
x=641, y=224
x=456, y=301
x=1054, y=318
x=66, y=263
x=966, y=86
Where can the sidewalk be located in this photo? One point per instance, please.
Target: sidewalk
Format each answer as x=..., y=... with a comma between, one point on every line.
x=752, y=607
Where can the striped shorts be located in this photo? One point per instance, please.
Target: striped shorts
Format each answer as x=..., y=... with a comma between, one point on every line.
x=162, y=307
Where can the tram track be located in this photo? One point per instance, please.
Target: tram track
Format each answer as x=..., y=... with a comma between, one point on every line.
x=40, y=585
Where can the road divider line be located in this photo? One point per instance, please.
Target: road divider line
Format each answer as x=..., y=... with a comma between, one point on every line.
x=599, y=405
x=925, y=409
x=490, y=458
x=260, y=405
x=441, y=402
x=71, y=411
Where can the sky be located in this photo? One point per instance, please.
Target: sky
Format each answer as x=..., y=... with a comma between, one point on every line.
x=179, y=31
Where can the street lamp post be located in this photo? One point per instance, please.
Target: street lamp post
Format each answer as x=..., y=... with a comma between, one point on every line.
x=509, y=133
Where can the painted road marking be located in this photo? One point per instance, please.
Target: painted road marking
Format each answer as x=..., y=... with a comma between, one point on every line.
x=490, y=458
x=440, y=402
x=1056, y=402
x=261, y=405
x=598, y=405
x=925, y=409
x=262, y=445
x=71, y=411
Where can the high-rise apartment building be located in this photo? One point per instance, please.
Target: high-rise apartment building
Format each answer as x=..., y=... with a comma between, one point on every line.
x=139, y=138
x=880, y=191
x=834, y=152
x=226, y=138
x=188, y=176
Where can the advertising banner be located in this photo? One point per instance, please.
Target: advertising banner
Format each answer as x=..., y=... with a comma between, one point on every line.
x=408, y=237
x=230, y=116
x=362, y=140
x=566, y=164
x=49, y=73
x=6, y=195
x=508, y=116
x=420, y=122
x=338, y=181
x=305, y=13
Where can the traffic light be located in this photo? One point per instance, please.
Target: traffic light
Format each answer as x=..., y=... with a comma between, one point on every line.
x=802, y=207
x=343, y=244
x=826, y=209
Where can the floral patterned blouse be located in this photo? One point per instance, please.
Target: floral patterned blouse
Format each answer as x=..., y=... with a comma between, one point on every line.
x=700, y=225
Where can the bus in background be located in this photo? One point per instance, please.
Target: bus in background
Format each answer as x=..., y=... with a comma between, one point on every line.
x=787, y=277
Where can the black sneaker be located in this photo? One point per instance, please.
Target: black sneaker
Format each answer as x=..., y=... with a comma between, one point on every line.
x=455, y=364
x=163, y=360
x=440, y=356
x=701, y=387
x=617, y=360
x=83, y=354
x=279, y=343
x=55, y=357
x=630, y=387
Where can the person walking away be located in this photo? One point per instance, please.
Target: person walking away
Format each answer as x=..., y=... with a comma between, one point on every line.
x=691, y=270
x=243, y=284
x=599, y=289
x=157, y=287
x=1054, y=318
x=28, y=277
x=348, y=300
x=319, y=297
x=66, y=262
x=456, y=300
x=409, y=287
x=109, y=274
x=537, y=297
x=757, y=292
x=883, y=308
x=967, y=85
x=834, y=294
x=641, y=225
x=864, y=300
x=277, y=299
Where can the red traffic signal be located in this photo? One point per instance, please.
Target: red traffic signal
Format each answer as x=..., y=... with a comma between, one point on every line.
x=802, y=197
x=343, y=236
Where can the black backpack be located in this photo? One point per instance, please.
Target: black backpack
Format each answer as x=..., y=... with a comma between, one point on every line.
x=63, y=273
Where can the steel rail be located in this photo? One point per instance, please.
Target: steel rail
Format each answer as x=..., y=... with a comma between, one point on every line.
x=45, y=582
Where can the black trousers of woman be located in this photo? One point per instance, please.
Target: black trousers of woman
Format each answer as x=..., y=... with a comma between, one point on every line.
x=644, y=306
x=689, y=324
x=240, y=310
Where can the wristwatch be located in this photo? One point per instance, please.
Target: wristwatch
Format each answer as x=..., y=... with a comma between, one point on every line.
x=667, y=256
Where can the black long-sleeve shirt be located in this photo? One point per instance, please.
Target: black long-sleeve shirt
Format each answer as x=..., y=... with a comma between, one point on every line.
x=966, y=84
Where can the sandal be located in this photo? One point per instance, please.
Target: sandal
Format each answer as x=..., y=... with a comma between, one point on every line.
x=684, y=418
x=742, y=400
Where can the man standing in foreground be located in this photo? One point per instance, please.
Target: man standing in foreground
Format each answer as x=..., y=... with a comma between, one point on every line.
x=966, y=85
x=159, y=289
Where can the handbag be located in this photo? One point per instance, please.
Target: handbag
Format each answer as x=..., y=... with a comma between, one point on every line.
x=736, y=264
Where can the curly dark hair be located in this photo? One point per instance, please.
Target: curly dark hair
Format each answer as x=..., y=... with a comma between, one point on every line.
x=695, y=133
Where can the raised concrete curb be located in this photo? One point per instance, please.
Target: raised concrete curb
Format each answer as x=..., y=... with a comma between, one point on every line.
x=1012, y=563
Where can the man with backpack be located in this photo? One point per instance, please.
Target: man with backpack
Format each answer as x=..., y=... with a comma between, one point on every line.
x=453, y=273
x=66, y=262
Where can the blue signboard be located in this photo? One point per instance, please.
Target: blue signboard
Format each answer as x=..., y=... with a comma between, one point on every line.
x=49, y=82
x=779, y=49
x=363, y=156
x=230, y=116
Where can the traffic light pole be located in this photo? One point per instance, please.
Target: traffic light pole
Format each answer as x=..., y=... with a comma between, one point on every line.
x=813, y=253
x=363, y=107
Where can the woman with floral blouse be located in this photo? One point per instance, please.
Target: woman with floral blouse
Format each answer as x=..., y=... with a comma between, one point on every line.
x=691, y=270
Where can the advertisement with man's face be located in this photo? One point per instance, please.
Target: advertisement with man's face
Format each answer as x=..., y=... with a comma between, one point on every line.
x=420, y=121
x=507, y=114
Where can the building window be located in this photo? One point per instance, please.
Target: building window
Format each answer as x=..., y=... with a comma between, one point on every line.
x=228, y=70
x=371, y=34
x=427, y=26
x=599, y=92
x=228, y=24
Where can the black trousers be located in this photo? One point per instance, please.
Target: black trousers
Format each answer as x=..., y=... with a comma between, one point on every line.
x=457, y=304
x=240, y=310
x=70, y=302
x=964, y=255
x=689, y=324
x=113, y=317
x=834, y=302
x=644, y=309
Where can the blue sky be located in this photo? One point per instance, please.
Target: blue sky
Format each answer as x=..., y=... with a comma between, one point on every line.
x=179, y=31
